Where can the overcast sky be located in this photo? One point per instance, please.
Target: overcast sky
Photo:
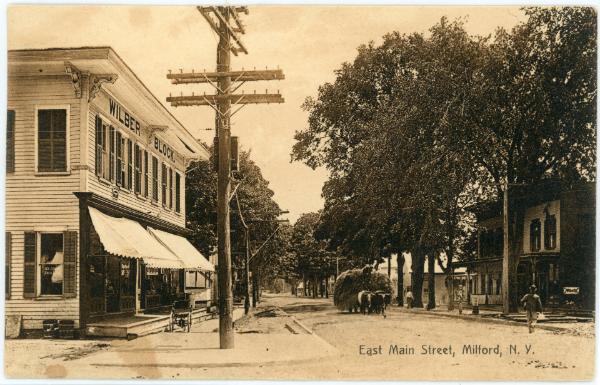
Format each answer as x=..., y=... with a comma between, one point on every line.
x=307, y=42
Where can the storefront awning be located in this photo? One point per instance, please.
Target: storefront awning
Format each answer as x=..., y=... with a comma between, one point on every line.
x=127, y=238
x=189, y=255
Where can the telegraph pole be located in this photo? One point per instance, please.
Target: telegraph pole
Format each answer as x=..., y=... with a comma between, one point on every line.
x=226, y=22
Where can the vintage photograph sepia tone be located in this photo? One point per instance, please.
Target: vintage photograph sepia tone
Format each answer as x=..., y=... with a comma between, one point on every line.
x=306, y=192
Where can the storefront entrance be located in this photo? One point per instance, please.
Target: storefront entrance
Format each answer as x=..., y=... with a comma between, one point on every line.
x=111, y=282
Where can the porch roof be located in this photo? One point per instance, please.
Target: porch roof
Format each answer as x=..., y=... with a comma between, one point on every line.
x=189, y=255
x=127, y=238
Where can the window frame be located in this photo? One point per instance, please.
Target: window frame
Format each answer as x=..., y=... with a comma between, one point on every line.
x=547, y=233
x=177, y=192
x=164, y=181
x=138, y=167
x=38, y=261
x=41, y=107
x=532, y=235
x=155, y=189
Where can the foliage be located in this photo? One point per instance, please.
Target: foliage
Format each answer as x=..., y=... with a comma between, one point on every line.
x=417, y=129
x=349, y=283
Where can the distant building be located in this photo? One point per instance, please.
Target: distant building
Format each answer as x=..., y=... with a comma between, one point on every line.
x=441, y=287
x=555, y=241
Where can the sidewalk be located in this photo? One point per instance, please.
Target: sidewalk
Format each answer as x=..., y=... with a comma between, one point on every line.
x=492, y=316
x=198, y=349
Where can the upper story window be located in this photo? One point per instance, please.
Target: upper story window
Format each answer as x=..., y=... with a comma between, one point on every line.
x=155, y=179
x=177, y=192
x=102, y=148
x=52, y=145
x=10, y=141
x=164, y=183
x=170, y=188
x=146, y=174
x=119, y=151
x=129, y=164
x=138, y=169
x=535, y=235
x=550, y=232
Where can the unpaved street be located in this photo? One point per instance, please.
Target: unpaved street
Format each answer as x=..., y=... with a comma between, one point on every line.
x=272, y=345
x=552, y=356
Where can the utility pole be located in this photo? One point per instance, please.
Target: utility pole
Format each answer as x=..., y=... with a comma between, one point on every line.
x=226, y=22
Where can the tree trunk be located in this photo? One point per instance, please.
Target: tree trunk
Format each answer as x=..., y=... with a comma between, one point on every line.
x=431, y=280
x=390, y=266
x=315, y=286
x=327, y=286
x=254, y=286
x=304, y=285
x=418, y=265
x=400, y=257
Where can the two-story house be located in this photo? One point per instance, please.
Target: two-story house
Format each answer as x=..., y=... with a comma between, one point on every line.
x=95, y=190
x=555, y=240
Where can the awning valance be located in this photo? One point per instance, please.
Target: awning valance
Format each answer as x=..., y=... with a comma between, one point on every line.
x=127, y=238
x=185, y=251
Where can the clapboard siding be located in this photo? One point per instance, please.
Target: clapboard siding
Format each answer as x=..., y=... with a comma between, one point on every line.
x=36, y=202
x=126, y=197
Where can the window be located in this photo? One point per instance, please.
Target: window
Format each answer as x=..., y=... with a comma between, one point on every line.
x=112, y=153
x=535, y=235
x=170, y=188
x=154, y=179
x=164, y=183
x=499, y=284
x=550, y=232
x=119, y=171
x=10, y=141
x=51, y=264
x=138, y=169
x=52, y=140
x=146, y=174
x=102, y=150
x=129, y=164
x=177, y=192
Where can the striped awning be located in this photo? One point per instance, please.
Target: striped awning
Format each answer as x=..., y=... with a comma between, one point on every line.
x=127, y=238
x=185, y=251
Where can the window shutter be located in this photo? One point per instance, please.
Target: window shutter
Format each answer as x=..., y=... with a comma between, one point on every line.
x=70, y=264
x=8, y=256
x=29, y=268
x=10, y=141
x=98, y=146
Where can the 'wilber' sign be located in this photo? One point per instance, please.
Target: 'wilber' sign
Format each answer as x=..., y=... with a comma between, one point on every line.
x=123, y=116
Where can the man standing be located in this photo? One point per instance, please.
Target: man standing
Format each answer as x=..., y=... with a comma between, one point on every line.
x=409, y=298
x=532, y=304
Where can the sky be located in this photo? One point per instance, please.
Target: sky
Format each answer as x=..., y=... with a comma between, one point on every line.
x=307, y=42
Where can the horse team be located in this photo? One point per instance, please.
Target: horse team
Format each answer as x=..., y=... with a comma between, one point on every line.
x=373, y=302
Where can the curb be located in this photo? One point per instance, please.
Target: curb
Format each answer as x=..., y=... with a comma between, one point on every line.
x=479, y=318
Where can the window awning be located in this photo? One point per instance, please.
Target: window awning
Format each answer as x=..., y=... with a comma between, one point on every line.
x=189, y=255
x=127, y=238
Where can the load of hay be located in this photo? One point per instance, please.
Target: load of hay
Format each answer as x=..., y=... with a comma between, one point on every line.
x=351, y=282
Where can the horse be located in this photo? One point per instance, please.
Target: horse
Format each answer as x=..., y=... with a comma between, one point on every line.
x=378, y=303
x=364, y=301
x=387, y=298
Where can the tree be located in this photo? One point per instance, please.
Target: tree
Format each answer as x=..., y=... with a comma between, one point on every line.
x=419, y=128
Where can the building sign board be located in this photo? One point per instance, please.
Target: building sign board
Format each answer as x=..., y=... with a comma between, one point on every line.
x=123, y=116
x=570, y=290
x=164, y=149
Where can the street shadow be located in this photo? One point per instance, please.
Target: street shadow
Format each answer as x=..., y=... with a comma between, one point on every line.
x=306, y=308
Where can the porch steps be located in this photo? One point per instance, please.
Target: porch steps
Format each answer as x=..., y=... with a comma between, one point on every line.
x=133, y=327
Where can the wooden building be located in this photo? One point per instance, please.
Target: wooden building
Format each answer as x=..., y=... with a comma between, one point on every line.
x=555, y=240
x=95, y=190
